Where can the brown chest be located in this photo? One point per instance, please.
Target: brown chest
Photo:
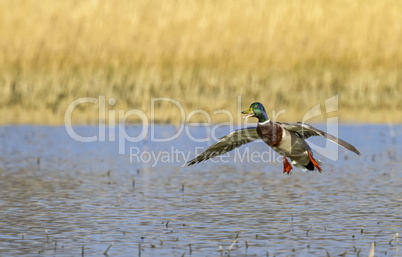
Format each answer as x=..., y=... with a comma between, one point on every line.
x=270, y=133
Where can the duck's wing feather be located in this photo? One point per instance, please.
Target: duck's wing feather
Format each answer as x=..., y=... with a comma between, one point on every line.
x=227, y=143
x=306, y=131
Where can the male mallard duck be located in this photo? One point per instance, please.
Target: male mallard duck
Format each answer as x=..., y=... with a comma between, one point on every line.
x=287, y=139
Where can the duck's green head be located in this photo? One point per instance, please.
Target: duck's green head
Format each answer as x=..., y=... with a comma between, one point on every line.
x=256, y=110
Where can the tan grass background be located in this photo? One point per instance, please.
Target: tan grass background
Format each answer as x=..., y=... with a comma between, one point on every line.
x=290, y=55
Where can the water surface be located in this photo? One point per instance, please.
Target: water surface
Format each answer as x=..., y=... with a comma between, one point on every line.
x=60, y=197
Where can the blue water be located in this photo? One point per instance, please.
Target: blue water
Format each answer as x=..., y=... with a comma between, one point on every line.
x=60, y=197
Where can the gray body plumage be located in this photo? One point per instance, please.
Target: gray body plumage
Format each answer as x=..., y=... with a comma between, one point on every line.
x=294, y=147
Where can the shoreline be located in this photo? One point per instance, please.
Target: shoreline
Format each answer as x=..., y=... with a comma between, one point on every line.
x=47, y=118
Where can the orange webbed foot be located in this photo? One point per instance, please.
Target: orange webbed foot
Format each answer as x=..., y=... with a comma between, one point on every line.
x=315, y=163
x=287, y=167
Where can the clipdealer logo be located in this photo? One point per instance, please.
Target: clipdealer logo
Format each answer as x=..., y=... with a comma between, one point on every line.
x=147, y=130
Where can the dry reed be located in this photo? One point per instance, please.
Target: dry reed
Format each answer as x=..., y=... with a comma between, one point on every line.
x=290, y=55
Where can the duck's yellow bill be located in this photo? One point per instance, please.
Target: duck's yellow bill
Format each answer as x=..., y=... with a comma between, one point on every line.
x=249, y=113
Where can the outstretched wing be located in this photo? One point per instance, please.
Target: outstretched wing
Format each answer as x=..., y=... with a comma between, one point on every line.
x=306, y=131
x=227, y=143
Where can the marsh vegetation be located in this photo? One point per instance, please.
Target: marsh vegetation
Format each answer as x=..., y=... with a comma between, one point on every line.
x=289, y=55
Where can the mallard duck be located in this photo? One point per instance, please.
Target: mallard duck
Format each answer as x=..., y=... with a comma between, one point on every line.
x=287, y=139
